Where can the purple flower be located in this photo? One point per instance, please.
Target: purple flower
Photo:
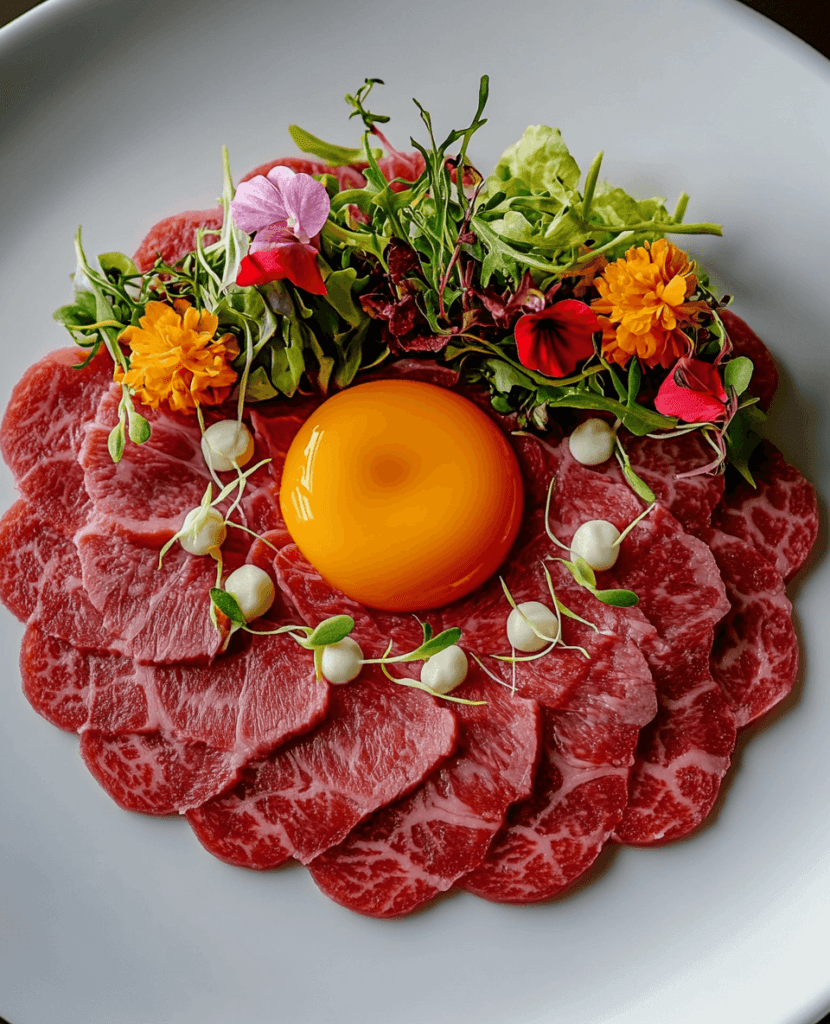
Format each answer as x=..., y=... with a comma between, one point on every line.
x=294, y=204
x=287, y=211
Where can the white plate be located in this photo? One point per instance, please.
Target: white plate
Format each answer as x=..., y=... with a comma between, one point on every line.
x=113, y=116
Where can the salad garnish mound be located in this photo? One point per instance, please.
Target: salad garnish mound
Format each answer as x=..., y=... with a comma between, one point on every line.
x=410, y=523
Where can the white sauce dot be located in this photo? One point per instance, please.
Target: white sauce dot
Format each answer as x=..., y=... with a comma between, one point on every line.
x=592, y=442
x=519, y=633
x=226, y=442
x=211, y=533
x=253, y=589
x=595, y=541
x=342, y=662
x=445, y=670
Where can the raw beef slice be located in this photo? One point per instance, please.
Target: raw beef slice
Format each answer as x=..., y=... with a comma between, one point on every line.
x=378, y=742
x=418, y=847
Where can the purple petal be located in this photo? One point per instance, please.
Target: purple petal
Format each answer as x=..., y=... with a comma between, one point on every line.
x=307, y=201
x=257, y=204
x=271, y=236
x=279, y=175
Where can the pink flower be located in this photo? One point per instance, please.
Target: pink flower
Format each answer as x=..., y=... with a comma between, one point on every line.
x=693, y=391
x=556, y=340
x=287, y=211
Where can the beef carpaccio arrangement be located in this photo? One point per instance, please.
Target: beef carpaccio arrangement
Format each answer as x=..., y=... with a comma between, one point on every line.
x=407, y=523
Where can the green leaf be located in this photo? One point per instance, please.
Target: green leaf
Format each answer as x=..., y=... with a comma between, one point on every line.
x=140, y=429
x=617, y=598
x=541, y=160
x=425, y=626
x=584, y=574
x=339, y=286
x=331, y=631
x=506, y=377
x=325, y=362
x=118, y=262
x=287, y=360
x=331, y=154
x=635, y=376
x=259, y=388
x=228, y=605
x=233, y=241
x=116, y=442
x=737, y=374
x=637, y=484
x=742, y=439
x=436, y=644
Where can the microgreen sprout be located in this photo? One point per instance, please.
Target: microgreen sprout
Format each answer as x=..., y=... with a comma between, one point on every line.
x=198, y=522
x=332, y=630
x=583, y=573
x=632, y=524
x=416, y=684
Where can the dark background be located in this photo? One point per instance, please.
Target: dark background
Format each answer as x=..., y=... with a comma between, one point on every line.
x=807, y=19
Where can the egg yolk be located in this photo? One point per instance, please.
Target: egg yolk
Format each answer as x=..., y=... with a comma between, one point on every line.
x=401, y=494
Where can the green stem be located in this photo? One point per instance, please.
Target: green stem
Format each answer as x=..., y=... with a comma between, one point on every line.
x=590, y=186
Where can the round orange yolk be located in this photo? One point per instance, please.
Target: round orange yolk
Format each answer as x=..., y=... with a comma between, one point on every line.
x=401, y=494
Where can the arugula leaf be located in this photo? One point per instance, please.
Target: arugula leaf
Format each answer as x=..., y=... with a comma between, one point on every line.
x=335, y=156
x=339, y=286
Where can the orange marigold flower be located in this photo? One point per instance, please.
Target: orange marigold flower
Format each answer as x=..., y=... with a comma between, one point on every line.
x=643, y=304
x=176, y=359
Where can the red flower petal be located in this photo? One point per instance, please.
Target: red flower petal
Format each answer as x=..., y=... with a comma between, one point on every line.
x=295, y=261
x=693, y=392
x=558, y=339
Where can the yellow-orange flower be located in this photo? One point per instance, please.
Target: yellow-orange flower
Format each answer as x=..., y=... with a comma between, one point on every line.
x=176, y=359
x=643, y=304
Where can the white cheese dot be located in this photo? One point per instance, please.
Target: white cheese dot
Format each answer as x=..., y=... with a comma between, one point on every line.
x=204, y=530
x=226, y=442
x=253, y=589
x=592, y=442
x=445, y=670
x=595, y=541
x=519, y=633
x=342, y=662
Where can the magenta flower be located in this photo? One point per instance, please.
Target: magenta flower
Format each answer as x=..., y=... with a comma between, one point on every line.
x=286, y=211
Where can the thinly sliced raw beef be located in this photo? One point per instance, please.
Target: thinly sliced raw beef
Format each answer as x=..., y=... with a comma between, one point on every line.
x=755, y=655
x=778, y=517
x=659, y=462
x=174, y=237
x=682, y=758
x=155, y=483
x=55, y=678
x=552, y=838
x=161, y=615
x=153, y=774
x=378, y=742
x=594, y=708
x=745, y=342
x=413, y=849
x=247, y=702
x=40, y=579
x=48, y=409
x=40, y=444
x=316, y=600
x=685, y=752
x=191, y=729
